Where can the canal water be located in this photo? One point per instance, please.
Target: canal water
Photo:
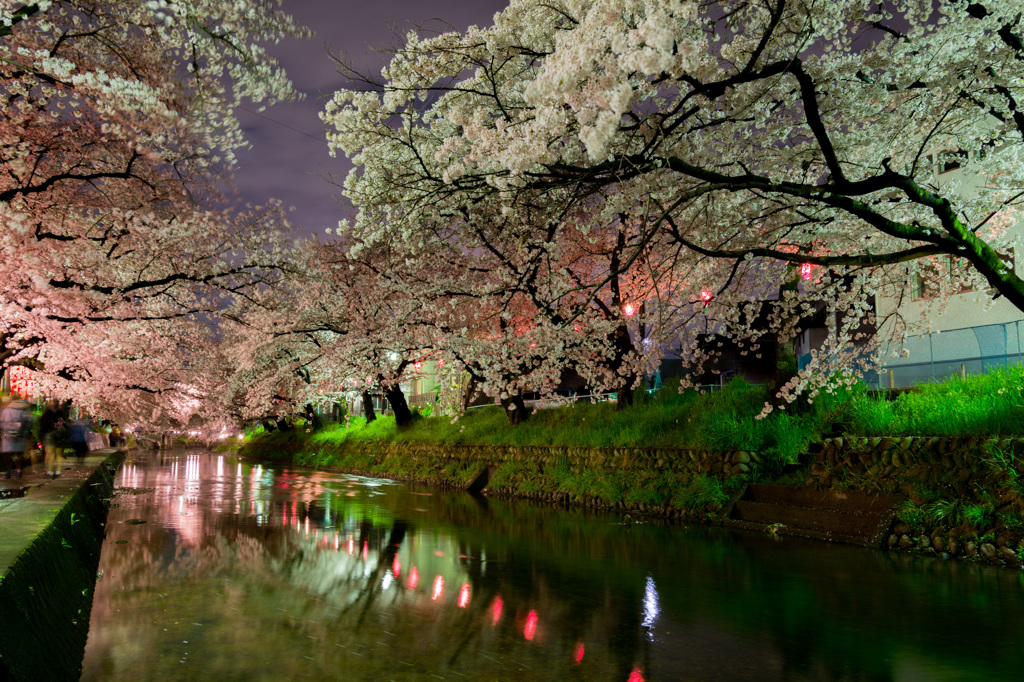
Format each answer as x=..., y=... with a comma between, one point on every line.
x=219, y=569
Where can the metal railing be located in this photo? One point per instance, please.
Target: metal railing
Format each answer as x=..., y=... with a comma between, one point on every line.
x=420, y=400
x=547, y=403
x=939, y=356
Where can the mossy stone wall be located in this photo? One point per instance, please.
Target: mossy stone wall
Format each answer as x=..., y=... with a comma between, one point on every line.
x=46, y=593
x=441, y=456
x=961, y=462
x=647, y=479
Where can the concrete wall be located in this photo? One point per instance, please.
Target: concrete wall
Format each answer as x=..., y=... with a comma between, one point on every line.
x=47, y=587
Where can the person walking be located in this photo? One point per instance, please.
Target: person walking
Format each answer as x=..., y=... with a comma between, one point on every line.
x=53, y=431
x=78, y=434
x=15, y=429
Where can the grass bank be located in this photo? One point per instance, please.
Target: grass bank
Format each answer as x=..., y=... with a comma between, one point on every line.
x=680, y=452
x=986, y=405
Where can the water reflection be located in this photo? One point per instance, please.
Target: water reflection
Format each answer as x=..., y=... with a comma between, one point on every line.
x=246, y=572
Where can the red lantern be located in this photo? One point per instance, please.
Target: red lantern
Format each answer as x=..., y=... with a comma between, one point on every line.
x=22, y=383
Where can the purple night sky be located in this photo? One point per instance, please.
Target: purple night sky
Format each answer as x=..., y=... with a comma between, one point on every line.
x=288, y=159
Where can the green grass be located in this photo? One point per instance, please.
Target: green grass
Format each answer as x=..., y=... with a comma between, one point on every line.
x=987, y=405
x=719, y=420
x=990, y=405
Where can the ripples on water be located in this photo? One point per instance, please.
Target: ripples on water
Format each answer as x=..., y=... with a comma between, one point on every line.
x=244, y=572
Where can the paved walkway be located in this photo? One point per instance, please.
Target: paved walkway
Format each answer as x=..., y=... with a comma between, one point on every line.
x=29, y=504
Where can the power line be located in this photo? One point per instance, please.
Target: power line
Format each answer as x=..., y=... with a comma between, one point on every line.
x=283, y=125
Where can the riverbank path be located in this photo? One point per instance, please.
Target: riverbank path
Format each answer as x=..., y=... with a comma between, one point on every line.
x=28, y=504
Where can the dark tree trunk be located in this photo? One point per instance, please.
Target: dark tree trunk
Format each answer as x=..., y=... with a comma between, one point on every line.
x=623, y=345
x=515, y=409
x=403, y=415
x=467, y=396
x=785, y=369
x=785, y=355
x=625, y=393
x=312, y=418
x=368, y=408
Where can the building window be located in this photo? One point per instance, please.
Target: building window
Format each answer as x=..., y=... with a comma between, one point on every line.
x=939, y=271
x=951, y=160
x=952, y=271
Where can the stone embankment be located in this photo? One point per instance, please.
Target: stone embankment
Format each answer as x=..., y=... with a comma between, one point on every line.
x=50, y=538
x=970, y=478
x=957, y=488
x=950, y=461
x=642, y=480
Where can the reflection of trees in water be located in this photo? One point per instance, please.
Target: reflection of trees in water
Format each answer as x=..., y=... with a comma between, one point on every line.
x=279, y=563
x=821, y=613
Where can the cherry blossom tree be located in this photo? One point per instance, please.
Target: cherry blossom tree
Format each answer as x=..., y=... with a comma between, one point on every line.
x=744, y=134
x=336, y=325
x=118, y=131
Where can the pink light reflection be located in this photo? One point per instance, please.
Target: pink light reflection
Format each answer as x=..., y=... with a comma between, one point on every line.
x=636, y=675
x=366, y=550
x=464, y=596
x=438, y=588
x=414, y=578
x=396, y=568
x=496, y=610
x=577, y=656
x=531, y=626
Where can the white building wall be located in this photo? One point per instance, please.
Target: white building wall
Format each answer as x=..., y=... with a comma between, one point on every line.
x=971, y=334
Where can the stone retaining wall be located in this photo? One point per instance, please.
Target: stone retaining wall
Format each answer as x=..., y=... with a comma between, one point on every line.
x=935, y=461
x=962, y=470
x=967, y=469
x=46, y=593
x=530, y=472
x=697, y=460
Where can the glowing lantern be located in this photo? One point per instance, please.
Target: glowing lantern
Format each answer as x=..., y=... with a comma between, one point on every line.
x=22, y=383
x=417, y=365
x=805, y=270
x=706, y=296
x=629, y=309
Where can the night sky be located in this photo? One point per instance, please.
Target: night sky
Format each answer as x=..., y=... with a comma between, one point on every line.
x=288, y=159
